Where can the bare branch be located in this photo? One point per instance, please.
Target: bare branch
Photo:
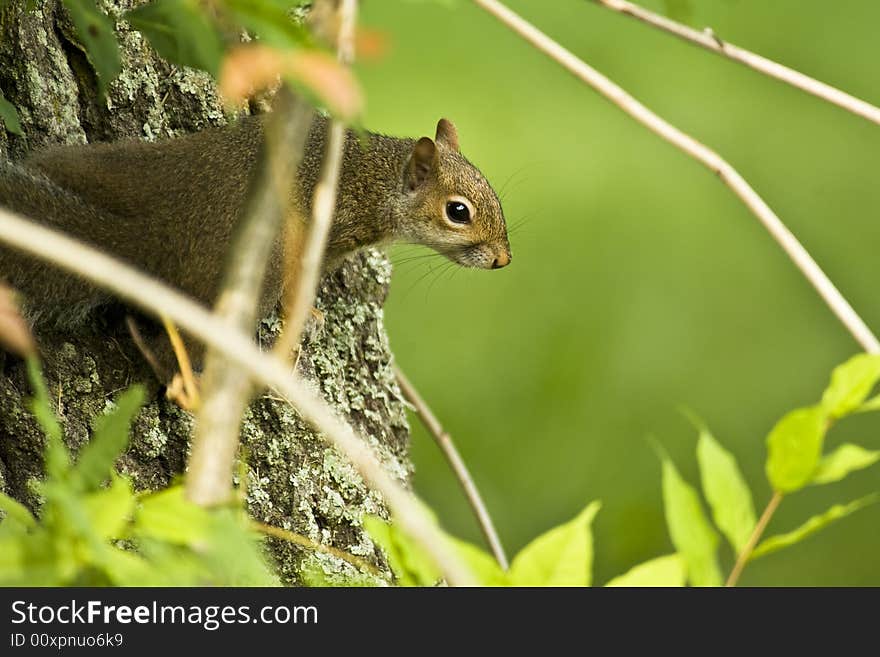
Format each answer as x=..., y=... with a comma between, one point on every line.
x=745, y=554
x=444, y=442
x=302, y=285
x=306, y=542
x=227, y=389
x=708, y=40
x=703, y=154
x=188, y=390
x=151, y=295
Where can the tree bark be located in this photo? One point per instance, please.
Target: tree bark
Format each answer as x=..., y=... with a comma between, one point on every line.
x=294, y=480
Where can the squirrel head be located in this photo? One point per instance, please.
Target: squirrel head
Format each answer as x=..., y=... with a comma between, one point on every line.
x=449, y=206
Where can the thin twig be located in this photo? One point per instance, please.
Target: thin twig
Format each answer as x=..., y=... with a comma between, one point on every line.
x=302, y=286
x=189, y=395
x=708, y=40
x=444, y=442
x=149, y=294
x=703, y=154
x=227, y=389
x=743, y=557
x=137, y=337
x=306, y=542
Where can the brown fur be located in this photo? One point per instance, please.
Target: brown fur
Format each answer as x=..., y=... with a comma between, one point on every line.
x=171, y=207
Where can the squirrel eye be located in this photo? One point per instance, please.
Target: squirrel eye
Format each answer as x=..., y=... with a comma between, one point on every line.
x=458, y=212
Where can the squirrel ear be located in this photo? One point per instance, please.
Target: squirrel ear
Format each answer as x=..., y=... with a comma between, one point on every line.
x=447, y=134
x=420, y=162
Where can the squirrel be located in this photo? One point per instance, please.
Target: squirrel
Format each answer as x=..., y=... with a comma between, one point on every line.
x=170, y=208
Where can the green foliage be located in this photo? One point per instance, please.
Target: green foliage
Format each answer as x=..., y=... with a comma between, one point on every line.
x=191, y=545
x=668, y=570
x=691, y=532
x=795, y=443
x=190, y=33
x=872, y=404
x=89, y=534
x=794, y=447
x=851, y=383
x=483, y=565
x=95, y=31
x=845, y=459
x=268, y=20
x=408, y=561
x=726, y=490
x=15, y=512
x=811, y=526
x=794, y=460
x=109, y=439
x=9, y=116
x=563, y=556
x=56, y=457
x=180, y=32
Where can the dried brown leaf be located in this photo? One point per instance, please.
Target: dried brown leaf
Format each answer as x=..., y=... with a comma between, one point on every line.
x=250, y=68
x=15, y=336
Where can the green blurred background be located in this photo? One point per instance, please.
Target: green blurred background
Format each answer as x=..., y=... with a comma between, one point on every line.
x=639, y=283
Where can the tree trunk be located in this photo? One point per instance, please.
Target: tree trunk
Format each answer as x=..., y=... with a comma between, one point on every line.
x=294, y=480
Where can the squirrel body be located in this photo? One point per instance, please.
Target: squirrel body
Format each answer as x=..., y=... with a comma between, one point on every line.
x=171, y=208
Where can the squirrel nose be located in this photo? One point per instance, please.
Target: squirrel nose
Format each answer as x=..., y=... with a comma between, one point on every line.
x=502, y=260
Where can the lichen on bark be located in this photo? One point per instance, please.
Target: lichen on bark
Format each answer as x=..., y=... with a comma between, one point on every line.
x=294, y=480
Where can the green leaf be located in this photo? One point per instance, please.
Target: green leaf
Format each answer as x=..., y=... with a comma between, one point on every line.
x=811, y=526
x=56, y=457
x=180, y=32
x=691, y=533
x=221, y=548
x=9, y=116
x=169, y=565
x=168, y=516
x=843, y=460
x=662, y=571
x=233, y=552
x=109, y=439
x=16, y=512
x=109, y=510
x=408, y=561
x=29, y=561
x=13, y=558
x=41, y=406
x=794, y=447
x=481, y=563
x=851, y=383
x=726, y=490
x=562, y=556
x=869, y=406
x=95, y=32
x=268, y=20
x=125, y=568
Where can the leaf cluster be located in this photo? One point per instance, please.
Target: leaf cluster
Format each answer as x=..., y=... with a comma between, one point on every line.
x=94, y=530
x=796, y=458
x=207, y=36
